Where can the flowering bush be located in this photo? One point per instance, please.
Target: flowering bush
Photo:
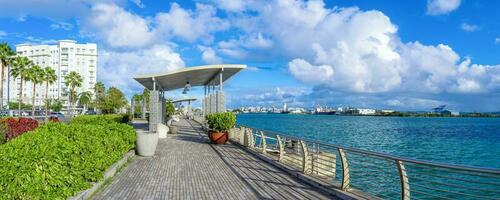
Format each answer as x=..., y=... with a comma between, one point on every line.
x=16, y=127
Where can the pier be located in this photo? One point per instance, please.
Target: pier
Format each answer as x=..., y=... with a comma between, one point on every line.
x=186, y=166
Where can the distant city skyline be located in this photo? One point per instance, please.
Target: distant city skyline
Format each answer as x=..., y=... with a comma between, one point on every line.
x=401, y=55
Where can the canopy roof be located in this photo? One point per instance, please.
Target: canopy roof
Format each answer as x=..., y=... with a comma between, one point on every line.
x=197, y=76
x=183, y=100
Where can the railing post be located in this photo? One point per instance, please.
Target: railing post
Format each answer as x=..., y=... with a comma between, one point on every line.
x=252, y=139
x=305, y=154
x=280, y=148
x=263, y=142
x=403, y=177
x=345, y=170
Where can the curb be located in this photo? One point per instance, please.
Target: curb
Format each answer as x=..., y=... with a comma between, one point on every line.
x=83, y=195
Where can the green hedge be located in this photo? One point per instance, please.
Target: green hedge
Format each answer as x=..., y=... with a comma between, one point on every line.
x=101, y=119
x=59, y=160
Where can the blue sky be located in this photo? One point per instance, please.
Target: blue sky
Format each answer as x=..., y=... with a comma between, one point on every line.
x=405, y=55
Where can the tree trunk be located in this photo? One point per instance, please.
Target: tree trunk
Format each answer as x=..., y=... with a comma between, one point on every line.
x=20, y=102
x=47, y=101
x=1, y=84
x=33, y=102
x=70, y=103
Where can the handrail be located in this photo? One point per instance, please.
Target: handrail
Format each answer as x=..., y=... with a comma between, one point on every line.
x=357, y=168
x=393, y=157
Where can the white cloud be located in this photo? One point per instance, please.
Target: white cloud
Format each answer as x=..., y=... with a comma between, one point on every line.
x=244, y=45
x=2, y=34
x=117, y=27
x=118, y=67
x=469, y=27
x=439, y=7
x=231, y=5
x=352, y=50
x=308, y=73
x=61, y=25
x=138, y=3
x=209, y=56
x=191, y=25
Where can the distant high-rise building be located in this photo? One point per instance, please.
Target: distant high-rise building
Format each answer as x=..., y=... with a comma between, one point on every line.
x=285, y=109
x=64, y=57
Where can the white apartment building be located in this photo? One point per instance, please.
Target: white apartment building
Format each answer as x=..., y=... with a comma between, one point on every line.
x=64, y=57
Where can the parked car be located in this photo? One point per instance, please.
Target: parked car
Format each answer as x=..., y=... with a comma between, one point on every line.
x=90, y=112
x=59, y=115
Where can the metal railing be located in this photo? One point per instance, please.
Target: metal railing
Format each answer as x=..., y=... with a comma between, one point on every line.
x=372, y=175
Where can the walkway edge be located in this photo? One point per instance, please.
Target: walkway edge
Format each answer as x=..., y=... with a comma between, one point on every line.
x=324, y=187
x=83, y=195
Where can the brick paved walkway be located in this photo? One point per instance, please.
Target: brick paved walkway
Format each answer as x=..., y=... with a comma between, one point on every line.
x=187, y=167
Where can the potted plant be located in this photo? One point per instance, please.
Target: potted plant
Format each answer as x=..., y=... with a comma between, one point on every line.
x=219, y=124
x=170, y=111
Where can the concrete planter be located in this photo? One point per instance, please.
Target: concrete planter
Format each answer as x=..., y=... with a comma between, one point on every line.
x=162, y=130
x=146, y=143
x=174, y=129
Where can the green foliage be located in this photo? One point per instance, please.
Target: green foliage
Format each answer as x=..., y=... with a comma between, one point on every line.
x=4, y=128
x=170, y=110
x=221, y=122
x=15, y=105
x=109, y=101
x=85, y=98
x=100, y=119
x=55, y=105
x=58, y=160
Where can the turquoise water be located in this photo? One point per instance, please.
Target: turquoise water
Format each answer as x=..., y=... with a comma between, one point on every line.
x=465, y=141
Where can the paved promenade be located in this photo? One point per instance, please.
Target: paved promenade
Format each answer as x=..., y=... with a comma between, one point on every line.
x=186, y=166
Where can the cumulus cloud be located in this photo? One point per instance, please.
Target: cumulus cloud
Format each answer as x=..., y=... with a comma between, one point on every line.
x=208, y=55
x=358, y=51
x=469, y=27
x=308, y=73
x=118, y=67
x=191, y=25
x=231, y=5
x=439, y=7
x=118, y=27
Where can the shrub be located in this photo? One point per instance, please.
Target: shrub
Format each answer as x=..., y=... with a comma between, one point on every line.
x=17, y=126
x=100, y=119
x=58, y=160
x=3, y=131
x=221, y=122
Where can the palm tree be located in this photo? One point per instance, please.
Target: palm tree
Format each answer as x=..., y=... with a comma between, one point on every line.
x=50, y=77
x=84, y=99
x=35, y=76
x=72, y=80
x=6, y=54
x=19, y=69
x=99, y=92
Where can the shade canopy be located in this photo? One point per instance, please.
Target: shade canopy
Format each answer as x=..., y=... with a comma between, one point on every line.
x=184, y=100
x=196, y=76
